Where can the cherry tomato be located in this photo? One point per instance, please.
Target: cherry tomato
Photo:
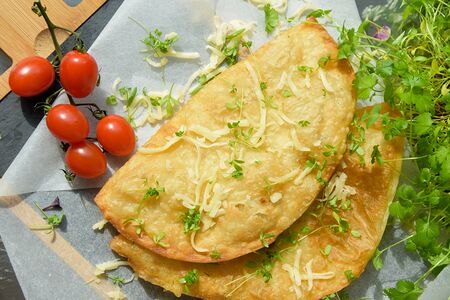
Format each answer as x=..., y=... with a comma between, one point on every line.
x=67, y=123
x=86, y=160
x=116, y=135
x=31, y=76
x=78, y=73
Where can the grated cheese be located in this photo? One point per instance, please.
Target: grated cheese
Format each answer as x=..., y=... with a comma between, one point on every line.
x=100, y=224
x=296, y=277
x=307, y=80
x=302, y=175
x=196, y=248
x=109, y=266
x=292, y=86
x=286, y=118
x=275, y=197
x=187, y=201
x=296, y=142
x=210, y=135
x=117, y=294
x=170, y=143
x=262, y=107
x=326, y=83
x=282, y=81
x=337, y=188
x=164, y=61
x=304, y=8
x=285, y=178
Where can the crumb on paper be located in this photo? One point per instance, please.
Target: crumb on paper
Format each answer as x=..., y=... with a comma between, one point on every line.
x=109, y=266
x=99, y=225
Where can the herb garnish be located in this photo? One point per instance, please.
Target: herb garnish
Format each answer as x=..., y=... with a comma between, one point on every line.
x=271, y=18
x=263, y=237
x=303, y=123
x=407, y=63
x=53, y=221
x=151, y=192
x=237, y=165
x=327, y=250
x=215, y=254
x=191, y=220
x=349, y=275
x=111, y=100
x=157, y=239
x=189, y=279
x=136, y=222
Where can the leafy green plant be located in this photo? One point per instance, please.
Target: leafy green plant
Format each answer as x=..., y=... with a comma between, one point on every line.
x=410, y=66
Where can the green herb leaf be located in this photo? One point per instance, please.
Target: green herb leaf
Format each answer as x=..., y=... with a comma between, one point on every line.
x=271, y=18
x=191, y=220
x=303, y=123
x=356, y=233
x=287, y=93
x=157, y=239
x=404, y=290
x=189, y=279
x=364, y=84
x=137, y=223
x=111, y=100
x=423, y=123
x=264, y=237
x=327, y=250
x=319, y=13
x=215, y=254
x=349, y=275
x=180, y=133
x=377, y=261
x=376, y=156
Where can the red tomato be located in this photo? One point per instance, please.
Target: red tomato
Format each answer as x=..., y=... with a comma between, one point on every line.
x=78, y=73
x=86, y=160
x=116, y=135
x=31, y=76
x=67, y=123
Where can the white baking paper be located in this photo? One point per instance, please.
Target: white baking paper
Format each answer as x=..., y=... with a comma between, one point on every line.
x=38, y=165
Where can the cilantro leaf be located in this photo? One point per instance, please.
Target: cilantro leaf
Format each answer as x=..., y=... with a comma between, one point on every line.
x=319, y=13
x=271, y=18
x=189, y=279
x=191, y=220
x=364, y=84
x=404, y=290
x=264, y=237
x=422, y=123
x=111, y=100
x=377, y=261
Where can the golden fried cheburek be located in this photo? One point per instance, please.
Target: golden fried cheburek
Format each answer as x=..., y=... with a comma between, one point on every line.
x=240, y=162
x=312, y=258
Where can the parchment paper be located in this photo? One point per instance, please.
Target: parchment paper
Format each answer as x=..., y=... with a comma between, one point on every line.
x=38, y=165
x=44, y=273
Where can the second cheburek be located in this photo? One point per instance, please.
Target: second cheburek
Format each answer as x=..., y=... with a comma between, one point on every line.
x=320, y=254
x=244, y=158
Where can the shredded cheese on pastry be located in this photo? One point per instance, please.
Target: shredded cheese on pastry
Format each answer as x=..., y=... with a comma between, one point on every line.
x=210, y=135
x=326, y=83
x=292, y=86
x=302, y=175
x=296, y=277
x=285, y=178
x=262, y=107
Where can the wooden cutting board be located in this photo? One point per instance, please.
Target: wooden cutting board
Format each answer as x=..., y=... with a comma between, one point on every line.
x=23, y=33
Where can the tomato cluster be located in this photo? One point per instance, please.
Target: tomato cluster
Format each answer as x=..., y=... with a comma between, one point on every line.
x=78, y=73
